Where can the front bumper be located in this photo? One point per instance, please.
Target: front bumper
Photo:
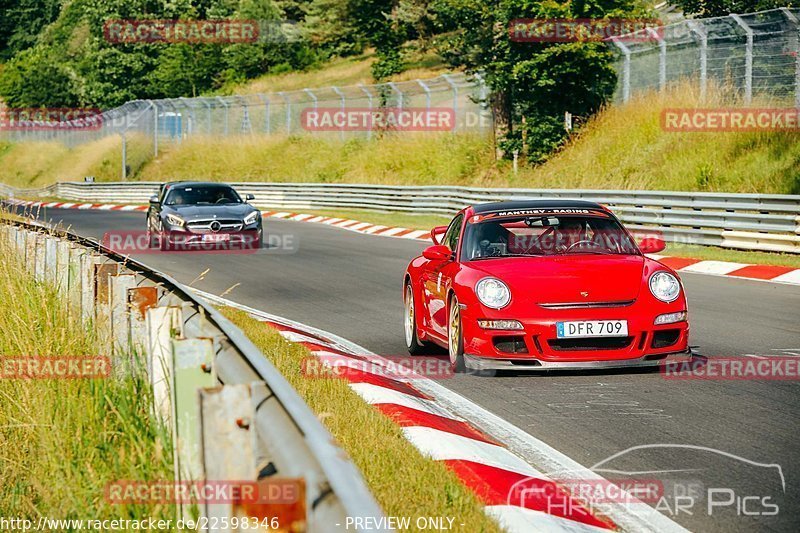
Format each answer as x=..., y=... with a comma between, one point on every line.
x=530, y=364
x=537, y=346
x=242, y=239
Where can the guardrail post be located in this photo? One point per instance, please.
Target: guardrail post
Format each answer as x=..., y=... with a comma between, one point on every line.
x=227, y=440
x=192, y=363
x=62, y=266
x=40, y=252
x=51, y=259
x=748, y=59
x=140, y=299
x=21, y=233
x=29, y=254
x=87, y=285
x=163, y=324
x=103, y=270
x=10, y=237
x=77, y=257
x=119, y=284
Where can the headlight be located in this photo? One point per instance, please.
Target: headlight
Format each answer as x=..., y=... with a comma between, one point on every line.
x=665, y=286
x=175, y=220
x=670, y=318
x=251, y=218
x=500, y=324
x=493, y=293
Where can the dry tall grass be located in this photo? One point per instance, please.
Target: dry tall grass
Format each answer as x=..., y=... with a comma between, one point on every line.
x=62, y=441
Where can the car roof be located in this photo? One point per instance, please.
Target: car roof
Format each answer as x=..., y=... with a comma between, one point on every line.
x=548, y=203
x=184, y=184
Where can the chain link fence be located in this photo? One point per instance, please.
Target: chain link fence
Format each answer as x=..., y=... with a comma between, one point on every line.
x=176, y=119
x=753, y=54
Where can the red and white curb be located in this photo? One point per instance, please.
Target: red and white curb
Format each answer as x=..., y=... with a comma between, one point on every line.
x=489, y=455
x=776, y=274
x=78, y=205
x=354, y=225
x=771, y=273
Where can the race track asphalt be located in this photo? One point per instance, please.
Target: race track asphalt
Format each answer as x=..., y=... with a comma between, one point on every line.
x=350, y=284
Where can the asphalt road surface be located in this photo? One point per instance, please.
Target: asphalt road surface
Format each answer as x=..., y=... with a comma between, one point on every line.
x=730, y=434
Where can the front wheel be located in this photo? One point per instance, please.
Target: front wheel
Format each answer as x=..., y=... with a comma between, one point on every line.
x=455, y=338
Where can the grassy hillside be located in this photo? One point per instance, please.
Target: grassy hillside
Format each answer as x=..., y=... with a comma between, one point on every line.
x=341, y=72
x=623, y=147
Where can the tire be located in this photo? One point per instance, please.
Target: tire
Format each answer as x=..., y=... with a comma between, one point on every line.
x=150, y=238
x=413, y=344
x=455, y=338
x=163, y=242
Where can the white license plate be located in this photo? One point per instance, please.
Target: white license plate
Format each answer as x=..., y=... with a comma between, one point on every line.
x=216, y=237
x=591, y=328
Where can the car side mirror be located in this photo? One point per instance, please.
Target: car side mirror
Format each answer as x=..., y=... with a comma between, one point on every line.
x=154, y=199
x=436, y=232
x=248, y=197
x=652, y=245
x=437, y=252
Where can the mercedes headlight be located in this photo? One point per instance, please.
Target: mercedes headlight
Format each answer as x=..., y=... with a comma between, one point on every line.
x=493, y=293
x=174, y=220
x=665, y=286
x=251, y=218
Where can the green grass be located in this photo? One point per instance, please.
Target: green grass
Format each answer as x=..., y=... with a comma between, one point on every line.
x=341, y=72
x=62, y=441
x=403, y=481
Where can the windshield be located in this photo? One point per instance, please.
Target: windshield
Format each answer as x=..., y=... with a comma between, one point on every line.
x=204, y=194
x=544, y=236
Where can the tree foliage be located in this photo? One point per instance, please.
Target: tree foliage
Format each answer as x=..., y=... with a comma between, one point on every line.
x=720, y=8
x=72, y=63
x=64, y=59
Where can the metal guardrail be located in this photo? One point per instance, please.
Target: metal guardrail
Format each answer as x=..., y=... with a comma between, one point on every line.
x=762, y=222
x=233, y=415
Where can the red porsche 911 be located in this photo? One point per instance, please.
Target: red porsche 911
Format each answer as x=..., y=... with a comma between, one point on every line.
x=544, y=284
